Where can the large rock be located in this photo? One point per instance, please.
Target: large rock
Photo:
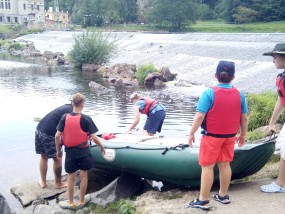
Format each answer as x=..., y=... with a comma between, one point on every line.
x=123, y=187
x=4, y=207
x=90, y=67
x=95, y=86
x=167, y=75
x=151, y=78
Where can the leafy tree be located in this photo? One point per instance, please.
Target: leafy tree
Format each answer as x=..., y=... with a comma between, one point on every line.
x=93, y=48
x=173, y=13
x=244, y=15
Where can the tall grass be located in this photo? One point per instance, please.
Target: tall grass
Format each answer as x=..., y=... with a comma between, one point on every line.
x=92, y=48
x=260, y=109
x=143, y=71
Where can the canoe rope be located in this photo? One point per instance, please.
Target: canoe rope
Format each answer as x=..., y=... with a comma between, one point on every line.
x=179, y=146
x=166, y=149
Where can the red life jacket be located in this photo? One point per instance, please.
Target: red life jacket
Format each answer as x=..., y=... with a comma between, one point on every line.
x=73, y=135
x=149, y=104
x=280, y=85
x=223, y=119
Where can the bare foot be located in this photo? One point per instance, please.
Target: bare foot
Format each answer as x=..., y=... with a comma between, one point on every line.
x=61, y=185
x=42, y=184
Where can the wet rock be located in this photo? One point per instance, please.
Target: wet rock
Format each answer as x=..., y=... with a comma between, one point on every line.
x=90, y=67
x=95, y=86
x=167, y=75
x=29, y=192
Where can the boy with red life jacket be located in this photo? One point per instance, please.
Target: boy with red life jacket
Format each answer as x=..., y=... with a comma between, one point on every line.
x=221, y=113
x=155, y=114
x=278, y=55
x=73, y=131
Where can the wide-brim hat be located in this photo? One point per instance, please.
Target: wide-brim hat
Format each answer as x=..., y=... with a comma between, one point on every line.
x=278, y=49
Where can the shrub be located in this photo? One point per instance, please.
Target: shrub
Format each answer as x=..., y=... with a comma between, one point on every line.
x=143, y=71
x=16, y=46
x=260, y=109
x=92, y=48
x=125, y=207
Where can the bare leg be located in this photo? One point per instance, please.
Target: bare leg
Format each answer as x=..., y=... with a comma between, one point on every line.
x=57, y=169
x=145, y=132
x=225, y=174
x=281, y=176
x=207, y=178
x=83, y=184
x=70, y=187
x=43, y=170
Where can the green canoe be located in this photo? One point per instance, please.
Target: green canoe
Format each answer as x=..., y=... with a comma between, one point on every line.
x=171, y=160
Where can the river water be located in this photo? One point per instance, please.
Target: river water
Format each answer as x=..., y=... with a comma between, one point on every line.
x=28, y=91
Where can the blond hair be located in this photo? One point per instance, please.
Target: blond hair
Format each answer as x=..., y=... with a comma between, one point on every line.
x=78, y=99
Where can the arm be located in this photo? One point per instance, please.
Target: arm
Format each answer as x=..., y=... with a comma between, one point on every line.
x=58, y=144
x=243, y=129
x=275, y=115
x=199, y=117
x=98, y=142
x=137, y=118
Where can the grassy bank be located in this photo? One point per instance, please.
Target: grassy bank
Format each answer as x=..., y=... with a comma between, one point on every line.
x=217, y=26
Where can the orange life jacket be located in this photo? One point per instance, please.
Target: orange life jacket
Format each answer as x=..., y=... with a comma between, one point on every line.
x=73, y=135
x=149, y=105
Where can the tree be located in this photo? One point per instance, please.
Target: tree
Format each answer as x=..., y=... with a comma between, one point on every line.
x=244, y=15
x=173, y=13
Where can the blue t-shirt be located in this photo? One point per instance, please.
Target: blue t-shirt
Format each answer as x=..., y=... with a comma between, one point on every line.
x=141, y=104
x=206, y=100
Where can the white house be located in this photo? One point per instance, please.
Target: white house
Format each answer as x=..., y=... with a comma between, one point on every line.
x=22, y=11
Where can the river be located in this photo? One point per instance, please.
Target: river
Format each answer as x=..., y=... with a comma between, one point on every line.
x=29, y=91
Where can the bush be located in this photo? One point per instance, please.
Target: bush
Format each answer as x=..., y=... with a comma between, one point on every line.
x=143, y=71
x=16, y=46
x=92, y=48
x=260, y=109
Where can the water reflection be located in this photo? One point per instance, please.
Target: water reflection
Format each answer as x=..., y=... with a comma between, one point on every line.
x=31, y=91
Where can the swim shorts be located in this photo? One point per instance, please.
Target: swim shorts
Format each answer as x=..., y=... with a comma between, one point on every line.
x=214, y=150
x=154, y=122
x=45, y=144
x=74, y=164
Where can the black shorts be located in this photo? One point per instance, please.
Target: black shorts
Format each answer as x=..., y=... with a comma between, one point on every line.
x=45, y=144
x=72, y=164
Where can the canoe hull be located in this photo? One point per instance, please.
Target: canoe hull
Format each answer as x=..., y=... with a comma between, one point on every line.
x=177, y=166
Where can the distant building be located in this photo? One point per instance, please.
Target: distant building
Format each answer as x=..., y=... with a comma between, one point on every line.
x=51, y=16
x=21, y=11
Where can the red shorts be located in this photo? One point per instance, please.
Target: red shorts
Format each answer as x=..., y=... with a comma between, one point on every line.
x=213, y=150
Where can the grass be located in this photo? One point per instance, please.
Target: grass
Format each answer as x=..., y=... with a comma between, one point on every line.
x=5, y=29
x=220, y=26
x=216, y=26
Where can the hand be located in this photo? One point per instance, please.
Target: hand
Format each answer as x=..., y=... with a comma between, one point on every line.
x=191, y=140
x=59, y=154
x=241, y=140
x=272, y=129
x=103, y=151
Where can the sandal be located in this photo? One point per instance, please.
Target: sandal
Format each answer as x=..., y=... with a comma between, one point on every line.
x=272, y=188
x=67, y=205
x=87, y=198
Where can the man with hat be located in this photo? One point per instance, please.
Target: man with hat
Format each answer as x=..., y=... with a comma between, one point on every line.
x=278, y=55
x=221, y=113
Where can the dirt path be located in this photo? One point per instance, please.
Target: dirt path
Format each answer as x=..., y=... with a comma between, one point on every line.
x=246, y=198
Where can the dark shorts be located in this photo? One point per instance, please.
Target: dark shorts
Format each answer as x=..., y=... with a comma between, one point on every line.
x=45, y=144
x=154, y=122
x=75, y=162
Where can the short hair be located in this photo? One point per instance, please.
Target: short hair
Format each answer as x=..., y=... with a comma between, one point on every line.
x=78, y=99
